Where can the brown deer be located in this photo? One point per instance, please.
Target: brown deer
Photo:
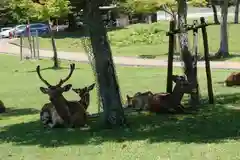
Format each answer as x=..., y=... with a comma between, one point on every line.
x=61, y=111
x=84, y=94
x=163, y=102
x=233, y=79
x=139, y=102
x=2, y=107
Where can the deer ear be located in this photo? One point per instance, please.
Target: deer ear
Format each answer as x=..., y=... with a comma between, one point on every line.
x=91, y=87
x=67, y=87
x=44, y=90
x=128, y=97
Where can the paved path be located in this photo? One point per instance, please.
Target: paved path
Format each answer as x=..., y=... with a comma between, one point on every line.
x=6, y=48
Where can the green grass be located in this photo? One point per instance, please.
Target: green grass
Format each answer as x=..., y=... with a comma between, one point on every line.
x=211, y=134
x=145, y=40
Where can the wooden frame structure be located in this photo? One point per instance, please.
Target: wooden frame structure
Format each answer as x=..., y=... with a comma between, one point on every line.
x=194, y=28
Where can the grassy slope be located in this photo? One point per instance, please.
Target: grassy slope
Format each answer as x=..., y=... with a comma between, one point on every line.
x=144, y=40
x=213, y=134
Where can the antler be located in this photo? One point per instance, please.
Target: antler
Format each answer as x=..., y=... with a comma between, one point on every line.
x=39, y=75
x=72, y=67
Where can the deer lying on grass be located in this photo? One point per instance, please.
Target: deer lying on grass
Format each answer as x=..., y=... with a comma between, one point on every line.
x=163, y=102
x=84, y=94
x=233, y=79
x=2, y=107
x=61, y=112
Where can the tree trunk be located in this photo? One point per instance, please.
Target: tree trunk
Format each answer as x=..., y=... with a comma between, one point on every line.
x=223, y=50
x=215, y=16
x=104, y=66
x=72, y=25
x=55, y=56
x=183, y=40
x=174, y=17
x=236, y=17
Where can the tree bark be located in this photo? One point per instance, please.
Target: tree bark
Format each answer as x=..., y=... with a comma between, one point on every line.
x=215, y=16
x=104, y=66
x=223, y=50
x=55, y=56
x=184, y=45
x=236, y=16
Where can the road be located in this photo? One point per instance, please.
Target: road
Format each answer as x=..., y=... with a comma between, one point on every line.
x=6, y=48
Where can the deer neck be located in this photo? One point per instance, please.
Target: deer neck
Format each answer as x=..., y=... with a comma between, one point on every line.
x=177, y=94
x=85, y=100
x=61, y=106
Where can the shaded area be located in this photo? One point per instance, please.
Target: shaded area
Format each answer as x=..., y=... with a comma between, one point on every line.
x=19, y=112
x=212, y=124
x=53, y=68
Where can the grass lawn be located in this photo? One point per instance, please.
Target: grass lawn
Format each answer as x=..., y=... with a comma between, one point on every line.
x=145, y=40
x=212, y=134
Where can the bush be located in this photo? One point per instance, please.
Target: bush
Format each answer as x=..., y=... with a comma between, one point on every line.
x=144, y=34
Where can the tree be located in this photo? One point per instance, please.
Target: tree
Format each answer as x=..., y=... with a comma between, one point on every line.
x=47, y=9
x=236, y=16
x=184, y=46
x=104, y=66
x=22, y=10
x=223, y=49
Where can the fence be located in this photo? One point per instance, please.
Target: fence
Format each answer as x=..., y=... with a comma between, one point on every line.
x=32, y=43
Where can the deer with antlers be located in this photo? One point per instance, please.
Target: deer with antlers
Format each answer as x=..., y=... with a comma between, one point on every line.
x=84, y=94
x=61, y=112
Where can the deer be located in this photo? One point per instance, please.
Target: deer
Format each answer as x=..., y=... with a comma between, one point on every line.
x=2, y=107
x=233, y=79
x=171, y=102
x=60, y=111
x=163, y=102
x=139, y=101
x=84, y=94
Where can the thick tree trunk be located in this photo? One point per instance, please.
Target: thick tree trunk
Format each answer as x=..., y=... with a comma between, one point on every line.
x=223, y=50
x=104, y=67
x=72, y=25
x=55, y=56
x=236, y=16
x=215, y=16
x=183, y=39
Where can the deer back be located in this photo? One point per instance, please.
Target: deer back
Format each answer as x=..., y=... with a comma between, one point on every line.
x=233, y=79
x=50, y=117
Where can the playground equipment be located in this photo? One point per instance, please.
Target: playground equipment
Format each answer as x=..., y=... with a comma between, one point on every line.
x=33, y=43
x=194, y=28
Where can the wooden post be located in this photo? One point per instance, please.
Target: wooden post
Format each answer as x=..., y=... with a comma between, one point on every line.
x=34, y=47
x=195, y=96
x=170, y=57
x=207, y=63
x=37, y=44
x=21, y=47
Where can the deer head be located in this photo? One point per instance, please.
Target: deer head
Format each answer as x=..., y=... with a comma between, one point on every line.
x=182, y=84
x=55, y=93
x=84, y=94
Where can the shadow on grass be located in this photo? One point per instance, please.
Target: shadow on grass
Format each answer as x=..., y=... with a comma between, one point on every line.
x=213, y=124
x=52, y=68
x=19, y=112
